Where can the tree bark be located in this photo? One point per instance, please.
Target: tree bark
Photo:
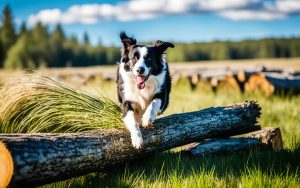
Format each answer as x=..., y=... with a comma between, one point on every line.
x=267, y=138
x=45, y=158
x=284, y=83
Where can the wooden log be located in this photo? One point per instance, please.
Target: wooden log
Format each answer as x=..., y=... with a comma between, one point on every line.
x=260, y=80
x=45, y=158
x=241, y=77
x=269, y=83
x=257, y=83
x=229, y=85
x=283, y=82
x=267, y=138
x=214, y=84
x=193, y=79
x=204, y=86
x=6, y=166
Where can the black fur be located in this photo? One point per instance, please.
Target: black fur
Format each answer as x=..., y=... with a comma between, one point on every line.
x=127, y=106
x=165, y=92
x=153, y=60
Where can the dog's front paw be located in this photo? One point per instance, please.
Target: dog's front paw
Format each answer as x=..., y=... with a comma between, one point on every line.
x=139, y=121
x=137, y=141
x=147, y=121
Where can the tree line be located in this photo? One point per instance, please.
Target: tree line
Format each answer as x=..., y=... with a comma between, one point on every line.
x=246, y=49
x=37, y=47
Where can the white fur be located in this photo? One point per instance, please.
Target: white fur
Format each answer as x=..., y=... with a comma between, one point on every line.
x=141, y=96
x=136, y=135
x=150, y=114
x=141, y=62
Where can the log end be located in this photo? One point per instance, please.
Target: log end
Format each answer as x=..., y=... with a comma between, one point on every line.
x=253, y=106
x=6, y=166
x=269, y=136
x=257, y=83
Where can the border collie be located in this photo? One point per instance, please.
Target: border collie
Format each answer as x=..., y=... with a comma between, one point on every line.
x=143, y=84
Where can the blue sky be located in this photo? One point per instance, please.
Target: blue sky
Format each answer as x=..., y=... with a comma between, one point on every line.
x=201, y=21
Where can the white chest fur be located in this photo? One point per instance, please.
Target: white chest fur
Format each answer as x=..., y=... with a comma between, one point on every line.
x=143, y=97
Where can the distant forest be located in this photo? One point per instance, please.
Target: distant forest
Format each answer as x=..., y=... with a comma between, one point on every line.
x=37, y=47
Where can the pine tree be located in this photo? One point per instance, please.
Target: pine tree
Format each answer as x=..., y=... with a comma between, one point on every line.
x=40, y=51
x=7, y=33
x=86, y=39
x=39, y=32
x=58, y=33
x=2, y=54
x=23, y=29
x=19, y=55
x=56, y=43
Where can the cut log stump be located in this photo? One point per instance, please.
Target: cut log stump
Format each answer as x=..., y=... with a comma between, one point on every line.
x=6, y=166
x=45, y=158
x=267, y=138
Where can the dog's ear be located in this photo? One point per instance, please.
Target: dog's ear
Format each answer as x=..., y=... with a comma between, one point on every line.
x=162, y=46
x=127, y=43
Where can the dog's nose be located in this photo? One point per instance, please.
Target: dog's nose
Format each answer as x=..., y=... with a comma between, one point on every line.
x=140, y=70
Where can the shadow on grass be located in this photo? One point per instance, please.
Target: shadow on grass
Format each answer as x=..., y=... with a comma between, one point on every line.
x=170, y=164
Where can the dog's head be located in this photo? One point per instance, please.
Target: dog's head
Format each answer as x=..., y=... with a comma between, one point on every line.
x=142, y=60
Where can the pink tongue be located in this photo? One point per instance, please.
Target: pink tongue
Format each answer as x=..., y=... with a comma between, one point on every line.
x=140, y=79
x=141, y=85
x=140, y=82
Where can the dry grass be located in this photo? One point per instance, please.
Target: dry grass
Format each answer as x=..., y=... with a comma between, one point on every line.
x=39, y=104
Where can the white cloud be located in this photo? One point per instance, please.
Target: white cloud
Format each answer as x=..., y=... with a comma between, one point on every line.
x=216, y=5
x=286, y=6
x=46, y=16
x=251, y=15
x=148, y=9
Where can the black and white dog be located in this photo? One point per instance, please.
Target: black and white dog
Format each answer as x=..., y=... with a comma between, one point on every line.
x=143, y=83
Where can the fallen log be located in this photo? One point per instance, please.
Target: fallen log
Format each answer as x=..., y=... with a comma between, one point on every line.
x=45, y=158
x=257, y=83
x=267, y=138
x=284, y=83
x=193, y=79
x=229, y=85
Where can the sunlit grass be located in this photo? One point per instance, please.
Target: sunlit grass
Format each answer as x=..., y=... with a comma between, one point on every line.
x=169, y=169
x=39, y=104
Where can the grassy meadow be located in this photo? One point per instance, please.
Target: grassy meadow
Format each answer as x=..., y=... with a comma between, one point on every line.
x=172, y=169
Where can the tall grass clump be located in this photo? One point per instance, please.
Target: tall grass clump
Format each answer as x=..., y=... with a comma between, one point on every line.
x=39, y=104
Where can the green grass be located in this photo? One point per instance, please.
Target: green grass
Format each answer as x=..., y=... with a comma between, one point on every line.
x=171, y=169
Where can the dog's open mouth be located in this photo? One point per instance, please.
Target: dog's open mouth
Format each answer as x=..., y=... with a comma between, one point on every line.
x=140, y=81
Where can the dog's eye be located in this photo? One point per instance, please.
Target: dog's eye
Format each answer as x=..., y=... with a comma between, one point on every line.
x=148, y=59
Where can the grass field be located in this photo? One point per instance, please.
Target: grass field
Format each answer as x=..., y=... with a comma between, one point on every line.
x=171, y=169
